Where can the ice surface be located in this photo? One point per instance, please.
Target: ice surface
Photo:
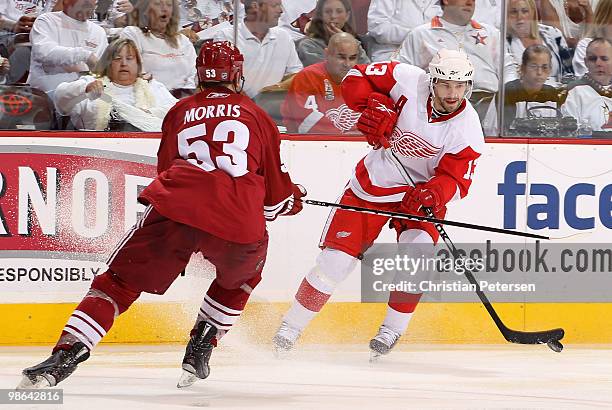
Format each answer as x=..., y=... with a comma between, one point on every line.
x=333, y=377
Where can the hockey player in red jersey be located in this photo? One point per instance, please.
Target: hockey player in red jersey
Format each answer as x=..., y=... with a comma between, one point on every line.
x=423, y=123
x=220, y=178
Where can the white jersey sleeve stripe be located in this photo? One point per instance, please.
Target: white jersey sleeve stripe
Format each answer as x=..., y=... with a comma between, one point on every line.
x=310, y=121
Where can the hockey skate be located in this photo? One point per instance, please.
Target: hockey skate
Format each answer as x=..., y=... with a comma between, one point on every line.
x=200, y=347
x=56, y=368
x=382, y=343
x=284, y=340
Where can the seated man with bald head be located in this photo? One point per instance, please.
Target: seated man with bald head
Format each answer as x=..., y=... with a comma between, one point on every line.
x=314, y=102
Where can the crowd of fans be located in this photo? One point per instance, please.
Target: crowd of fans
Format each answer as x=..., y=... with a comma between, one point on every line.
x=121, y=64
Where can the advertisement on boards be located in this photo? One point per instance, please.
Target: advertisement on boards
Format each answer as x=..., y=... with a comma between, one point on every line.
x=65, y=204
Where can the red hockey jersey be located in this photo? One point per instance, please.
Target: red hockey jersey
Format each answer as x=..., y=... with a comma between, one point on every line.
x=314, y=104
x=219, y=167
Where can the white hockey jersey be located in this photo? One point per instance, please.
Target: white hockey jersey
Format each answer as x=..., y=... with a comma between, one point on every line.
x=445, y=148
x=587, y=105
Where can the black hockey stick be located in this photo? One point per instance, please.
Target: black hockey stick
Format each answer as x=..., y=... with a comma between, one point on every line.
x=431, y=219
x=550, y=337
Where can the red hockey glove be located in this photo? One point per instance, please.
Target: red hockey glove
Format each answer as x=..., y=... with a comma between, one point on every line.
x=378, y=120
x=422, y=196
x=298, y=193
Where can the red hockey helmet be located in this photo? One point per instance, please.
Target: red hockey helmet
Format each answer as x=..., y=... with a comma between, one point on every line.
x=219, y=61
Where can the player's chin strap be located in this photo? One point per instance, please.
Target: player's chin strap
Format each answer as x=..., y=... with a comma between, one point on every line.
x=239, y=88
x=550, y=337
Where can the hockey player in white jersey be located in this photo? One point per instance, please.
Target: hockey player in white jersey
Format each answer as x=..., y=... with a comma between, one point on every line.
x=433, y=131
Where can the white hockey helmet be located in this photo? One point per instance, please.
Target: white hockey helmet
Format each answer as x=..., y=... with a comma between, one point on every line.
x=451, y=65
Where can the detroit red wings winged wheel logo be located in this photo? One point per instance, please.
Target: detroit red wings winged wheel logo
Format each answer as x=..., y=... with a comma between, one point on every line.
x=343, y=117
x=408, y=144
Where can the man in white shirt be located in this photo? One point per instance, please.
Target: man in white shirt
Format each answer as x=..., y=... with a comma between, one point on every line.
x=64, y=44
x=455, y=30
x=269, y=53
x=390, y=21
x=590, y=99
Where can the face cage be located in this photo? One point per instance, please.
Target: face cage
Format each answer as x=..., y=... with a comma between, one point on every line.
x=466, y=96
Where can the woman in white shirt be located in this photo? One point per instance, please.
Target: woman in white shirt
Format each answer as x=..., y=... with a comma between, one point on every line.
x=167, y=55
x=117, y=93
x=524, y=31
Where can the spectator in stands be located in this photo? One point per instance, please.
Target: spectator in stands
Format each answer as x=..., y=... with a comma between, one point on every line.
x=269, y=53
x=314, y=102
x=64, y=44
x=5, y=66
x=17, y=16
x=524, y=31
x=488, y=11
x=167, y=55
x=530, y=91
x=455, y=29
x=116, y=95
x=203, y=19
x=601, y=27
x=331, y=17
x=22, y=25
x=116, y=13
x=590, y=98
x=296, y=17
x=390, y=21
x=16, y=20
x=200, y=14
x=572, y=17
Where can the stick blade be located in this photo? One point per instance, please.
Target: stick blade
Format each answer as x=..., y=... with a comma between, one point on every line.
x=534, y=338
